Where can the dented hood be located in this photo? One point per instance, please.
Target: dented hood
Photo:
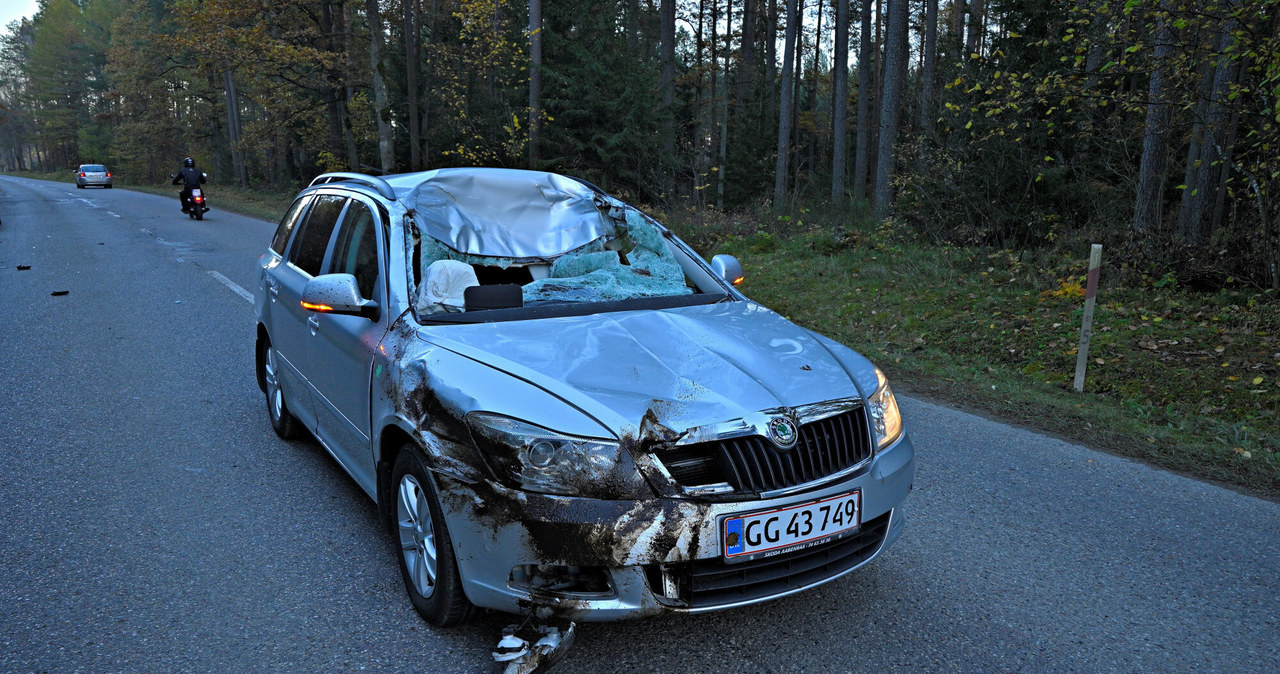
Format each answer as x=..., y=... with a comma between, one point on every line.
x=689, y=366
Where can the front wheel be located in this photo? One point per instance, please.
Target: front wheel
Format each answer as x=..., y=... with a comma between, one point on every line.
x=282, y=420
x=427, y=564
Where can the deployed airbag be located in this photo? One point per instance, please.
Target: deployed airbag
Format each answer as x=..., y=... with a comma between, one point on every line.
x=445, y=286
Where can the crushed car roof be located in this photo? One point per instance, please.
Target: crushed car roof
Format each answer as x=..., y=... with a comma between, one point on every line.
x=505, y=213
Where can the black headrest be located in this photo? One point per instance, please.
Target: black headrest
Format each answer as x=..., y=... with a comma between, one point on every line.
x=504, y=296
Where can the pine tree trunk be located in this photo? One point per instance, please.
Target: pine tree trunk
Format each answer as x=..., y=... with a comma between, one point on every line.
x=233, y=129
x=535, y=79
x=724, y=110
x=977, y=26
x=785, y=110
x=895, y=65
x=348, y=61
x=746, y=57
x=813, y=89
x=840, y=104
x=667, y=83
x=1194, y=220
x=412, y=99
x=1149, y=205
x=713, y=103
x=386, y=155
x=771, y=44
x=866, y=85
x=928, y=69
x=958, y=12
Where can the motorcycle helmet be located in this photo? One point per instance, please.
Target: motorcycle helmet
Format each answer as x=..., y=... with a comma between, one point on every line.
x=189, y=162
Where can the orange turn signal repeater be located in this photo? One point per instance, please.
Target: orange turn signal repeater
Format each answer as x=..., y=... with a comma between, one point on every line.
x=739, y=280
x=323, y=308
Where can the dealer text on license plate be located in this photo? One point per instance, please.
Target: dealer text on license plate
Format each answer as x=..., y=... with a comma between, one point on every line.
x=774, y=530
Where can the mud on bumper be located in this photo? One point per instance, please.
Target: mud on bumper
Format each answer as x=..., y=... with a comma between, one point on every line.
x=598, y=560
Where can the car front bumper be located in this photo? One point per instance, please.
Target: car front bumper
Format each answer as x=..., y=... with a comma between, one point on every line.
x=658, y=555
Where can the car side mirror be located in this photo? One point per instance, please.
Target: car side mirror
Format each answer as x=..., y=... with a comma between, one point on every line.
x=728, y=268
x=338, y=294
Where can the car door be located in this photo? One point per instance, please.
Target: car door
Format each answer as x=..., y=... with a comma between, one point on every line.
x=341, y=348
x=290, y=324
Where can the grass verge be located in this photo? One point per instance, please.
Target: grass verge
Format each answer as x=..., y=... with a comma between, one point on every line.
x=1187, y=381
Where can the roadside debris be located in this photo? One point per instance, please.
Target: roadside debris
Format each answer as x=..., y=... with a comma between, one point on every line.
x=60, y=293
x=533, y=646
x=23, y=267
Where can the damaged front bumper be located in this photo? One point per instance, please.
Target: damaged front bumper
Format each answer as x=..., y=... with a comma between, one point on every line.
x=600, y=560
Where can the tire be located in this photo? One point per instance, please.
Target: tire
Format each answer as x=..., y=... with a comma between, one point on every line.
x=110, y=186
x=79, y=186
x=427, y=563
x=282, y=420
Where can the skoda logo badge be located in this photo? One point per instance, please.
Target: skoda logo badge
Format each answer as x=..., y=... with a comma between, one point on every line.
x=782, y=432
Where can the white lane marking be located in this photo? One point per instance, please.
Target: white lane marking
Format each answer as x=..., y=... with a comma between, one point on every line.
x=235, y=287
x=89, y=203
x=112, y=214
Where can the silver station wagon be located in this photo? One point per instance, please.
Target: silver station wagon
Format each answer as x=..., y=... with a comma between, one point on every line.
x=88, y=175
x=562, y=410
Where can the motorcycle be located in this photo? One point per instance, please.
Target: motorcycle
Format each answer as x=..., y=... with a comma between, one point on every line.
x=197, y=206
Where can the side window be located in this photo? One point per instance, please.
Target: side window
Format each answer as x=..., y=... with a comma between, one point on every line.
x=356, y=250
x=290, y=219
x=307, y=252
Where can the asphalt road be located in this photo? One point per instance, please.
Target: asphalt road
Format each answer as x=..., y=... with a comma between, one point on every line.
x=150, y=520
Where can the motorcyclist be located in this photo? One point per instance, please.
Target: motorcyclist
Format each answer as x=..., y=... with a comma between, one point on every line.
x=189, y=177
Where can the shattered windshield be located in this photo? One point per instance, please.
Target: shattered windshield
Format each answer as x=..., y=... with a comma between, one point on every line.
x=563, y=244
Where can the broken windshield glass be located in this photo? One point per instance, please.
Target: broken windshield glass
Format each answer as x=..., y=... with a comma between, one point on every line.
x=634, y=262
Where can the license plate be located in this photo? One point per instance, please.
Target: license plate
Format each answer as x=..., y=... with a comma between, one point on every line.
x=776, y=531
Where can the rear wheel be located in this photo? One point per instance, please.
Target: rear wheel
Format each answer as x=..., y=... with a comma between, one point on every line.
x=199, y=215
x=427, y=564
x=282, y=420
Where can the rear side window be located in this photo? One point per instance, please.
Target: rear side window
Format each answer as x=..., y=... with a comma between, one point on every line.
x=307, y=252
x=290, y=219
x=356, y=250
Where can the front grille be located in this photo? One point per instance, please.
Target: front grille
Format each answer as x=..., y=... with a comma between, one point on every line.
x=707, y=583
x=753, y=464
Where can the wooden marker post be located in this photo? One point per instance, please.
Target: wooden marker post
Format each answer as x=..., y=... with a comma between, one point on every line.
x=1086, y=327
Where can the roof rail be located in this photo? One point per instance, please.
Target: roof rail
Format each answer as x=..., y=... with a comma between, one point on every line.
x=383, y=187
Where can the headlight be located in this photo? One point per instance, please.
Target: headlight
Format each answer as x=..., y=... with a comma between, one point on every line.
x=885, y=418
x=540, y=460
